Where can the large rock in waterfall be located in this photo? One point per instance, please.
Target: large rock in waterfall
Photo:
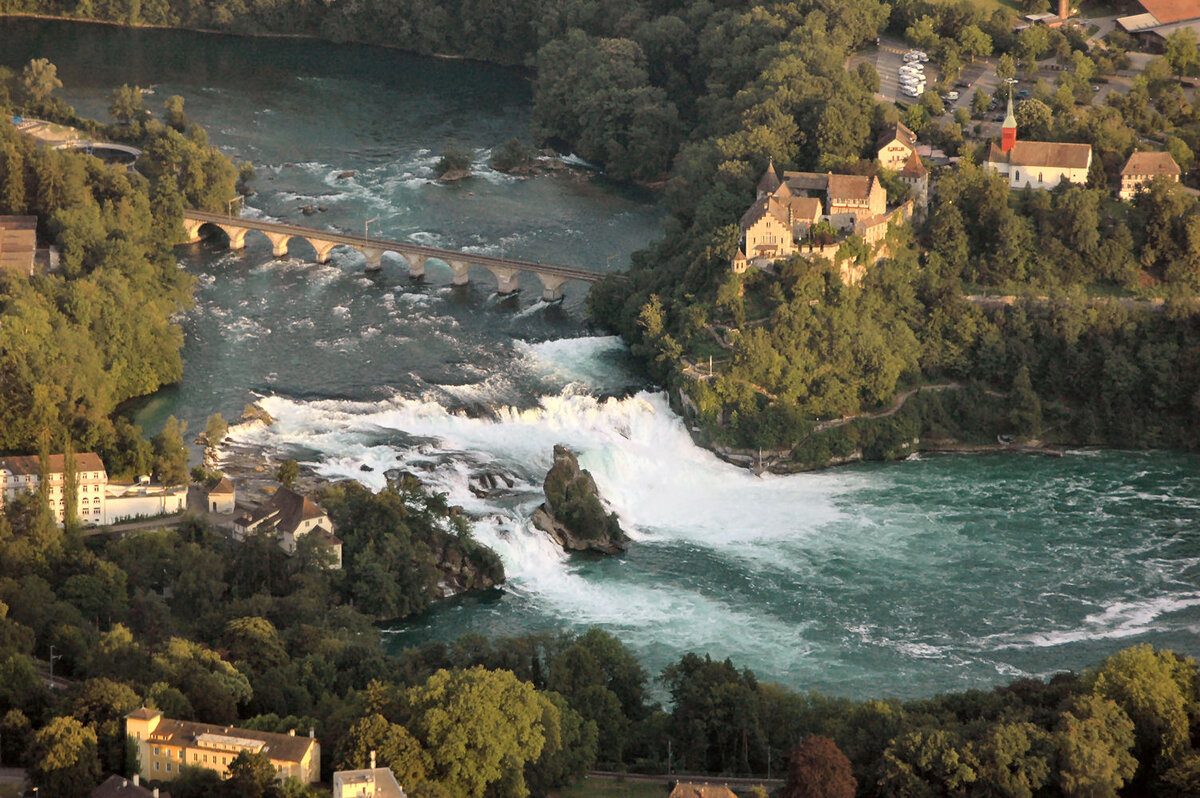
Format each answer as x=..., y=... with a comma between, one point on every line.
x=573, y=514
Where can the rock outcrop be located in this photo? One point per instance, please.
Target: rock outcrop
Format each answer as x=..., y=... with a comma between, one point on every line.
x=573, y=514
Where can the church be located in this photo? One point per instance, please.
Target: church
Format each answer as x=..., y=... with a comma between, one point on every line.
x=1037, y=164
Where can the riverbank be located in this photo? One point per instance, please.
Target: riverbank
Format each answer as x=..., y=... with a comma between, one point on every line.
x=312, y=37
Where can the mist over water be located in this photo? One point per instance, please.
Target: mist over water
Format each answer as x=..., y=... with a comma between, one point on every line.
x=904, y=579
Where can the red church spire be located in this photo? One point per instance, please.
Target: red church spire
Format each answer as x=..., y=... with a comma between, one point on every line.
x=1008, y=131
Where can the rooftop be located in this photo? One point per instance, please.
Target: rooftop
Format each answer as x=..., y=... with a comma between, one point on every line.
x=121, y=787
x=18, y=243
x=279, y=747
x=1151, y=163
x=1169, y=11
x=30, y=464
x=689, y=789
x=1032, y=154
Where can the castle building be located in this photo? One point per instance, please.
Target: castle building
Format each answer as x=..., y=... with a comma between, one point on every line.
x=1142, y=167
x=165, y=745
x=1037, y=164
x=778, y=223
x=916, y=176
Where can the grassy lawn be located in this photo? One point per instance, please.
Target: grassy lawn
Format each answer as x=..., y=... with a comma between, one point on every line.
x=612, y=788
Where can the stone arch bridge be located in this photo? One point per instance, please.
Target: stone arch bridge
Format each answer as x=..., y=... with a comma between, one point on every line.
x=506, y=270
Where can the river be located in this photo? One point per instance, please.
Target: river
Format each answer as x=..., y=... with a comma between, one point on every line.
x=905, y=579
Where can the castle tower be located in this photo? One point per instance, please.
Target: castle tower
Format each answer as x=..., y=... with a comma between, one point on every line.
x=769, y=182
x=1008, y=131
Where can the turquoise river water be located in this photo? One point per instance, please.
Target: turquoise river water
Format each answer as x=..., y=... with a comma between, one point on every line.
x=906, y=579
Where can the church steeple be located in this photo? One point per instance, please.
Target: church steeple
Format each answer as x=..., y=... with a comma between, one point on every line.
x=1008, y=130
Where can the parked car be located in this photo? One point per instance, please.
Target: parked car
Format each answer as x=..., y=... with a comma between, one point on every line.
x=952, y=96
x=1095, y=87
x=910, y=56
x=963, y=84
x=923, y=56
x=1023, y=93
x=1011, y=81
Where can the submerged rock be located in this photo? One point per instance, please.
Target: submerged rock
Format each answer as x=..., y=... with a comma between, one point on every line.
x=573, y=514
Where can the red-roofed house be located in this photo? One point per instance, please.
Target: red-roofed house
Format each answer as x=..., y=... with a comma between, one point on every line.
x=1142, y=167
x=291, y=516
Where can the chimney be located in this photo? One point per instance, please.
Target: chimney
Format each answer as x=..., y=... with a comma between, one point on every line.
x=312, y=732
x=291, y=732
x=137, y=780
x=372, y=759
x=155, y=792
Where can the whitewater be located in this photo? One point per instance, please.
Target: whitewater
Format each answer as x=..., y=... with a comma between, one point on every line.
x=939, y=573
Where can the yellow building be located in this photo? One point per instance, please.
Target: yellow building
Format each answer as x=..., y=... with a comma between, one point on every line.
x=23, y=474
x=165, y=745
x=895, y=147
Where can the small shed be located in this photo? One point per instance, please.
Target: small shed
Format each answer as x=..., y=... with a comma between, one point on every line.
x=222, y=497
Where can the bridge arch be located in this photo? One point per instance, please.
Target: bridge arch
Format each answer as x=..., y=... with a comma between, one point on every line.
x=507, y=271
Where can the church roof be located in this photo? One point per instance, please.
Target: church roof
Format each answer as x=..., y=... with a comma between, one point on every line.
x=1152, y=164
x=1032, y=154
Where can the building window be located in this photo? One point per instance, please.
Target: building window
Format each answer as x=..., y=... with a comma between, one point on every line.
x=195, y=757
x=168, y=767
x=157, y=752
x=156, y=766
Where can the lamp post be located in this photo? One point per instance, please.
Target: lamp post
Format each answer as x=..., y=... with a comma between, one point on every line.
x=53, y=657
x=366, y=226
x=229, y=204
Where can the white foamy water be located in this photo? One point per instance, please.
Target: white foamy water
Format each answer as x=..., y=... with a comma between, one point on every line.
x=900, y=579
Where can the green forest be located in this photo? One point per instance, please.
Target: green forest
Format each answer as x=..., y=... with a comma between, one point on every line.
x=76, y=343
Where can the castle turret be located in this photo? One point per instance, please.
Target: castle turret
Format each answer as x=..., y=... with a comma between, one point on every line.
x=1008, y=131
x=769, y=182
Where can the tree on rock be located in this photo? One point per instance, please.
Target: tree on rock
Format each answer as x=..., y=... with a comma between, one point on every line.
x=64, y=760
x=288, y=471
x=817, y=768
x=215, y=430
x=479, y=727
